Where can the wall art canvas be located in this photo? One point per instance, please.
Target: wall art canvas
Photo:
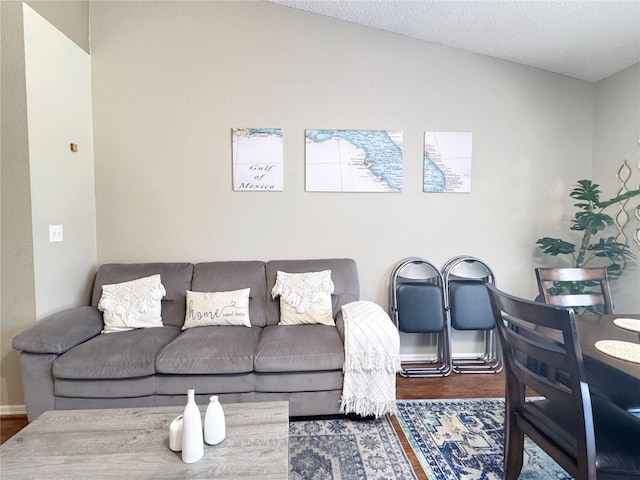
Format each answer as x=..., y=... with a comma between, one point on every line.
x=353, y=160
x=258, y=163
x=447, y=162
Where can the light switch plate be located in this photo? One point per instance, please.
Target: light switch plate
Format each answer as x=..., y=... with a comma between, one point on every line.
x=55, y=233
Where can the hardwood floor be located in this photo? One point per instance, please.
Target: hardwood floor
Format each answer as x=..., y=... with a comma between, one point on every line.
x=10, y=425
x=453, y=386
x=467, y=385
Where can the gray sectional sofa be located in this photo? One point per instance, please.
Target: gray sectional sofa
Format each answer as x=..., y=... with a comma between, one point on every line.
x=68, y=364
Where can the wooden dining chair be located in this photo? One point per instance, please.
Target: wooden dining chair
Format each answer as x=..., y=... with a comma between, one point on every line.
x=588, y=288
x=589, y=436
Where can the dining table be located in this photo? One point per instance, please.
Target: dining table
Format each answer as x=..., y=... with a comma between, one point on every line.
x=616, y=378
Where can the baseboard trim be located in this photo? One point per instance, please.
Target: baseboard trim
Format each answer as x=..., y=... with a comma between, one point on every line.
x=13, y=410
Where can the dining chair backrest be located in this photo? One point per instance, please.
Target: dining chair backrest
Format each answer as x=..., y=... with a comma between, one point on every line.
x=552, y=369
x=585, y=287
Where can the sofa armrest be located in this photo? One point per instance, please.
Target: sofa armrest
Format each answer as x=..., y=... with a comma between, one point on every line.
x=61, y=331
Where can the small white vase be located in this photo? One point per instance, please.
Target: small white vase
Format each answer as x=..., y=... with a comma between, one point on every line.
x=175, y=434
x=192, y=441
x=214, y=425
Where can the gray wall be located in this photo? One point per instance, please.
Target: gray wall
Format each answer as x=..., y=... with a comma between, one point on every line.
x=20, y=306
x=617, y=138
x=17, y=306
x=70, y=17
x=171, y=79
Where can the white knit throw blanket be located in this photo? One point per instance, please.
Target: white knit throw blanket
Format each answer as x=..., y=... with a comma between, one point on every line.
x=372, y=358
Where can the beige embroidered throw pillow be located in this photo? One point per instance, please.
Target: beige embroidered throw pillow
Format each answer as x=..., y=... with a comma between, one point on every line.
x=133, y=304
x=305, y=298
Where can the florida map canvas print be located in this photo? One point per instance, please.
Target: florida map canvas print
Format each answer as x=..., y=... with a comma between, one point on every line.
x=447, y=162
x=353, y=160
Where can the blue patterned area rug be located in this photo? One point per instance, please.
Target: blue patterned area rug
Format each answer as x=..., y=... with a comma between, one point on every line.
x=343, y=449
x=463, y=440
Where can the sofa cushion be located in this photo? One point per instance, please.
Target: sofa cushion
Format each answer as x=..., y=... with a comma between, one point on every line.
x=117, y=355
x=344, y=275
x=299, y=348
x=299, y=381
x=105, y=388
x=204, y=384
x=210, y=350
x=175, y=277
x=224, y=276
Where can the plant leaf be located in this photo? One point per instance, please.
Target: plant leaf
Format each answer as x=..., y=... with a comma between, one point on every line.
x=619, y=198
x=555, y=246
x=611, y=249
x=586, y=190
x=584, y=206
x=594, y=222
x=614, y=270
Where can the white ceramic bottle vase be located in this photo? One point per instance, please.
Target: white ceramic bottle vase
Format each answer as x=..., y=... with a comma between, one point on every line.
x=214, y=426
x=192, y=441
x=175, y=434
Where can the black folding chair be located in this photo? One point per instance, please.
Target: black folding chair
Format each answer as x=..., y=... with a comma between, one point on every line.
x=469, y=309
x=416, y=303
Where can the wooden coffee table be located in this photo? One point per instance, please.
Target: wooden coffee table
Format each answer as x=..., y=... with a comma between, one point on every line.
x=134, y=443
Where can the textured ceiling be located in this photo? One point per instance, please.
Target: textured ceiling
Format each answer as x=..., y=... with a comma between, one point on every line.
x=589, y=40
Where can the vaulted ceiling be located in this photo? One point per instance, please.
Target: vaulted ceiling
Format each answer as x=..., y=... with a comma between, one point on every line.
x=584, y=39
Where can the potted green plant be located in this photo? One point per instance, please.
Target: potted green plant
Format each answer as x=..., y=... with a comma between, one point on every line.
x=595, y=245
x=592, y=222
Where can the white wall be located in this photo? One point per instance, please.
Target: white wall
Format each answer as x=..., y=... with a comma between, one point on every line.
x=58, y=78
x=617, y=138
x=171, y=79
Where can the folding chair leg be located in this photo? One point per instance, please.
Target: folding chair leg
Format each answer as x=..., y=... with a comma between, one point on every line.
x=443, y=361
x=490, y=361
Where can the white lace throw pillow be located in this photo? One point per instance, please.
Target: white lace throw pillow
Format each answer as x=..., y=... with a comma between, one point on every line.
x=217, y=308
x=305, y=298
x=133, y=304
